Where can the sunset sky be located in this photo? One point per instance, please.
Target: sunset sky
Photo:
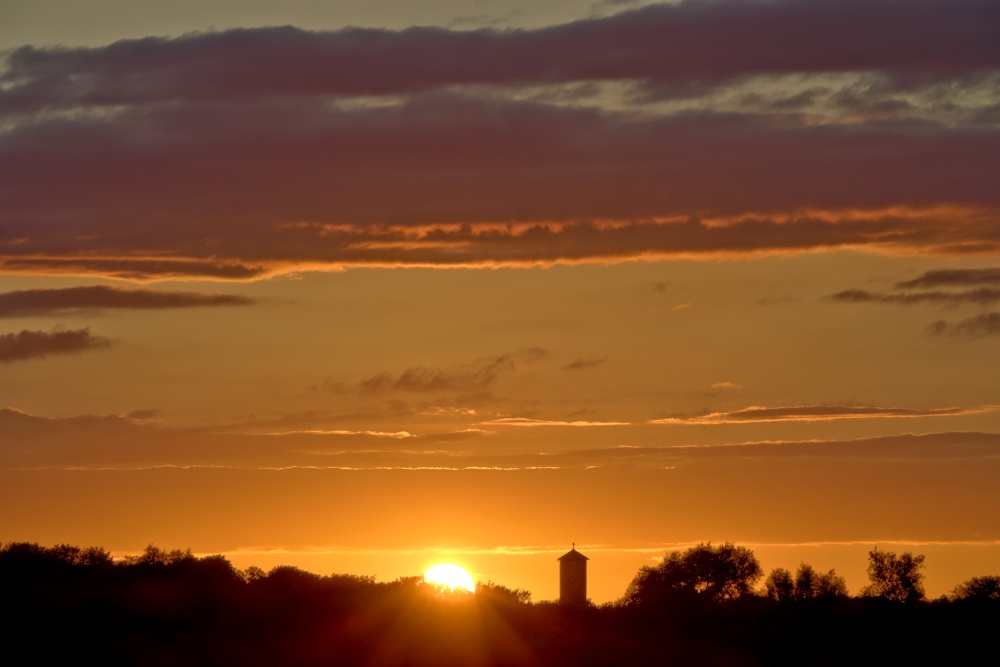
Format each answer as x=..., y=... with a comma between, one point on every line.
x=363, y=286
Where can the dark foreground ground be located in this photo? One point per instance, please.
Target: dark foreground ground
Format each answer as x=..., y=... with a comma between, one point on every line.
x=203, y=612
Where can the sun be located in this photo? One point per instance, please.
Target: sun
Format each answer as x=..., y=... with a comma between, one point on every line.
x=448, y=575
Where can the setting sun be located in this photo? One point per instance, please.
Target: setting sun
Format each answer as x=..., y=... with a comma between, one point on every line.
x=451, y=576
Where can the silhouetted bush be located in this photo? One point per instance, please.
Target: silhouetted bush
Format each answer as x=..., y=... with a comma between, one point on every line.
x=978, y=588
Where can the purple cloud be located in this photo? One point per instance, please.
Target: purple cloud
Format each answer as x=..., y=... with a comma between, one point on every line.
x=238, y=155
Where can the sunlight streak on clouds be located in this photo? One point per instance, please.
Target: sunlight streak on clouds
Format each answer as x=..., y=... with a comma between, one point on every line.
x=814, y=413
x=524, y=421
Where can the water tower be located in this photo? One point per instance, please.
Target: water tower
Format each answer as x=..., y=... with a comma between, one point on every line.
x=573, y=577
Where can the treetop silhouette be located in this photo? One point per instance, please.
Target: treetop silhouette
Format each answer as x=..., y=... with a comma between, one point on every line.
x=893, y=577
x=704, y=572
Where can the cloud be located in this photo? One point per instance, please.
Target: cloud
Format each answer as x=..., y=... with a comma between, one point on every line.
x=953, y=278
x=133, y=439
x=982, y=296
x=607, y=4
x=19, y=425
x=133, y=268
x=726, y=385
x=474, y=376
x=584, y=363
x=39, y=344
x=243, y=154
x=983, y=325
x=101, y=297
x=659, y=285
x=814, y=413
x=395, y=435
x=395, y=165
x=30, y=440
x=525, y=422
x=143, y=415
x=775, y=300
x=909, y=446
x=686, y=43
x=321, y=247
x=987, y=324
x=122, y=441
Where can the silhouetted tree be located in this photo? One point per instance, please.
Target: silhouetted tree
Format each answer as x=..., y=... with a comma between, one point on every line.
x=807, y=584
x=495, y=592
x=894, y=577
x=95, y=557
x=805, y=581
x=811, y=584
x=217, y=568
x=830, y=584
x=779, y=585
x=153, y=555
x=978, y=588
x=703, y=572
x=292, y=577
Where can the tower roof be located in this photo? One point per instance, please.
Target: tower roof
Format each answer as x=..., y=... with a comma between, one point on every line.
x=573, y=555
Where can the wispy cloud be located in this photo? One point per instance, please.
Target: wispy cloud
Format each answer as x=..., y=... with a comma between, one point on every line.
x=473, y=376
x=813, y=413
x=776, y=300
x=584, y=363
x=40, y=344
x=659, y=286
x=953, y=278
x=134, y=267
x=395, y=435
x=982, y=296
x=987, y=324
x=907, y=446
x=122, y=442
x=525, y=422
x=726, y=385
x=103, y=297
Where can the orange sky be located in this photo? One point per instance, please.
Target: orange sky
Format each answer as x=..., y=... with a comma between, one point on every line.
x=630, y=276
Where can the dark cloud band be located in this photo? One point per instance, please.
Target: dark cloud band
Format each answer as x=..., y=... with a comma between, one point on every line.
x=980, y=326
x=690, y=42
x=981, y=296
x=40, y=344
x=101, y=297
x=953, y=278
x=238, y=155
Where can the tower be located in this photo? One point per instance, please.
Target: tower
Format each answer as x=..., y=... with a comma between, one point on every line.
x=573, y=577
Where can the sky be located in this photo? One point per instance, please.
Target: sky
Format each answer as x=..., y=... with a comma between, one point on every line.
x=365, y=286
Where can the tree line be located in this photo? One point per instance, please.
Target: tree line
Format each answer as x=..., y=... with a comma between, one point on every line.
x=727, y=572
x=710, y=604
